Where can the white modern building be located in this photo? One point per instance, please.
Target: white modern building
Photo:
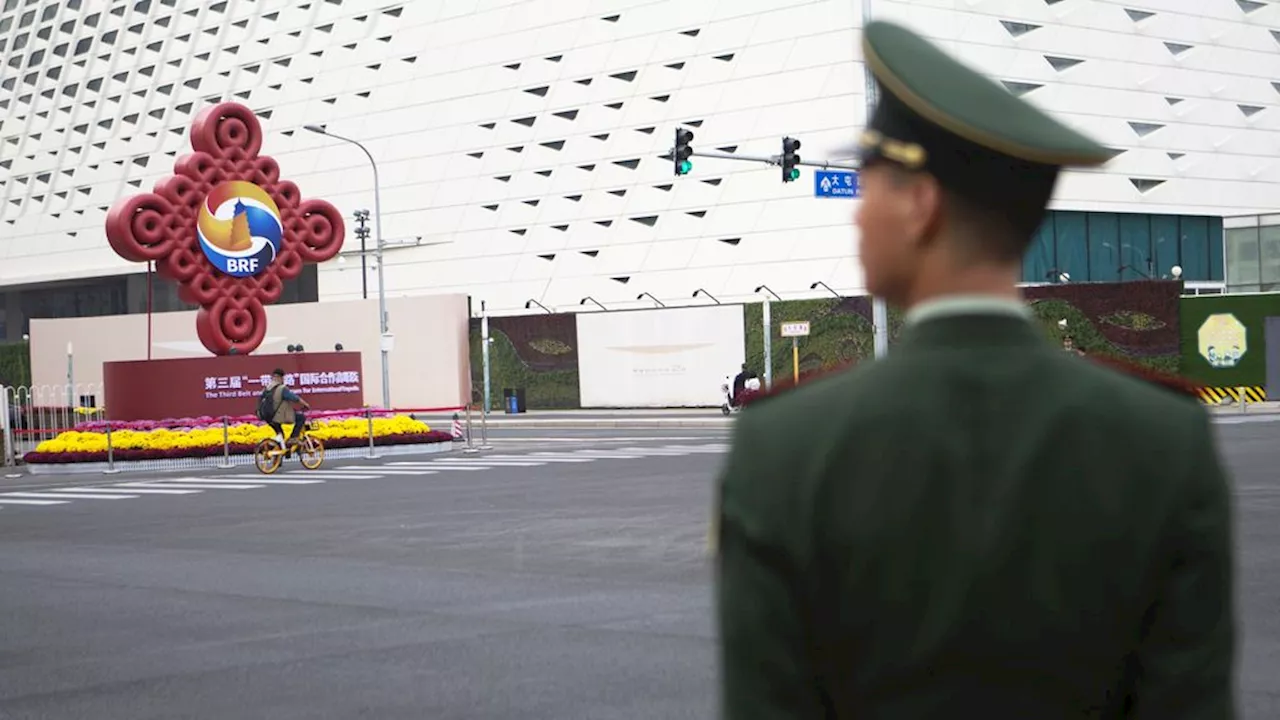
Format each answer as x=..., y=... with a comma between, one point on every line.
x=521, y=140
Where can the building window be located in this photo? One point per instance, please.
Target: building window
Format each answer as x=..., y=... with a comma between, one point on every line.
x=1106, y=247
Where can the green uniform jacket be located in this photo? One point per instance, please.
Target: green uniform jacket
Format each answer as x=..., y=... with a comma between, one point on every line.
x=980, y=525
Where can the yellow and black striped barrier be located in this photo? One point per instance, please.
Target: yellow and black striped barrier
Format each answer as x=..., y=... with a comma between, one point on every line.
x=1216, y=395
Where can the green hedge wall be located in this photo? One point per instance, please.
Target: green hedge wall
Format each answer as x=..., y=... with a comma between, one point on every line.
x=15, y=364
x=840, y=333
x=1251, y=310
x=536, y=352
x=1136, y=321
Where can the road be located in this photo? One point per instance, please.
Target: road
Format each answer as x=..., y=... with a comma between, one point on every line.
x=562, y=575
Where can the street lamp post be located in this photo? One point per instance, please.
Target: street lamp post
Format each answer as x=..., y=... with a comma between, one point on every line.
x=384, y=338
x=768, y=335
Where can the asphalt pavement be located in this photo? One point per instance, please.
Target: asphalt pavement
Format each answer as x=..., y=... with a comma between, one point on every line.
x=547, y=579
x=560, y=575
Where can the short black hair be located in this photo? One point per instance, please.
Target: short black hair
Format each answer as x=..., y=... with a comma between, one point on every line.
x=278, y=372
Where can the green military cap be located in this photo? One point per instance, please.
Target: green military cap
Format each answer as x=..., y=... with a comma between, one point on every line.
x=937, y=115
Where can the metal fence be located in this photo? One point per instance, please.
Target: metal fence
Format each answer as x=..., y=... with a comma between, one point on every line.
x=40, y=412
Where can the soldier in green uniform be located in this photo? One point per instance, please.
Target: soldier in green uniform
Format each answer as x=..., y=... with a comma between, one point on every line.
x=980, y=524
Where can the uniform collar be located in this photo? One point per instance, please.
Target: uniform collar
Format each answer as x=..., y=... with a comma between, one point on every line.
x=969, y=321
x=956, y=305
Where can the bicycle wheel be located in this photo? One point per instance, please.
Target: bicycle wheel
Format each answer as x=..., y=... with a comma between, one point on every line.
x=311, y=452
x=267, y=456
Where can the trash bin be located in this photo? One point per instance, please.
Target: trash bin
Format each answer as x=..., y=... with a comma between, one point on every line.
x=513, y=400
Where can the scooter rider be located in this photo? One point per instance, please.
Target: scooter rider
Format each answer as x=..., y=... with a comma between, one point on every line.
x=740, y=382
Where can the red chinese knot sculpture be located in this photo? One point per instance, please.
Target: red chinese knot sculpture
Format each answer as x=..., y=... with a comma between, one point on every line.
x=226, y=228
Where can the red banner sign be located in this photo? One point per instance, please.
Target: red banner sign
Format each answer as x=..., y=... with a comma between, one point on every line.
x=227, y=385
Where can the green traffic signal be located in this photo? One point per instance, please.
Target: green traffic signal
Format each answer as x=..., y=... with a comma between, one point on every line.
x=685, y=167
x=795, y=173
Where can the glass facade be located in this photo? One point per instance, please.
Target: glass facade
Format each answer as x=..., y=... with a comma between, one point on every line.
x=1253, y=253
x=1109, y=247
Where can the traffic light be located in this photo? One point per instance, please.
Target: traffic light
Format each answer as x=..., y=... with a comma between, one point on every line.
x=790, y=159
x=680, y=156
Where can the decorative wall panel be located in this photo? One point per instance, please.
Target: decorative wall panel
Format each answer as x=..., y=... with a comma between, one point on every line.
x=521, y=139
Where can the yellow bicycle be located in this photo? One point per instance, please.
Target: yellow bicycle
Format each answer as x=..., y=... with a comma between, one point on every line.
x=270, y=454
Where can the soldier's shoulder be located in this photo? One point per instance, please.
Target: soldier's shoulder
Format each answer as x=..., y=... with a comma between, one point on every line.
x=822, y=402
x=813, y=393
x=1129, y=377
x=1156, y=397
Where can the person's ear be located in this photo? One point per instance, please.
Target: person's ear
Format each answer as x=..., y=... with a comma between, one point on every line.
x=923, y=209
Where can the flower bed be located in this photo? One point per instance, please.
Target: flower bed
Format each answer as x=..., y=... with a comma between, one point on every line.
x=205, y=440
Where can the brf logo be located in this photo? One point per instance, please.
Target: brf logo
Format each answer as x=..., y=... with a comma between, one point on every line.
x=239, y=228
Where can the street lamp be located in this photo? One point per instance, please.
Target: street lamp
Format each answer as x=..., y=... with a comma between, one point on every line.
x=586, y=300
x=769, y=290
x=384, y=337
x=531, y=303
x=642, y=296
x=1176, y=271
x=819, y=284
x=700, y=291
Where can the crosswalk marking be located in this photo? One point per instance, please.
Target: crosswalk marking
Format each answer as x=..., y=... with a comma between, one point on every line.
x=137, y=490
x=55, y=496
x=547, y=458
x=659, y=452
x=258, y=480
x=482, y=461
x=385, y=471
x=133, y=490
x=538, y=455
x=330, y=475
x=193, y=484
x=427, y=467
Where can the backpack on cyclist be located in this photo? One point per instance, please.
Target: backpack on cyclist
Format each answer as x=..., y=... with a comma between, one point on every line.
x=266, y=405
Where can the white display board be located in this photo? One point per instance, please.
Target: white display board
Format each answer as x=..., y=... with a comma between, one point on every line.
x=675, y=357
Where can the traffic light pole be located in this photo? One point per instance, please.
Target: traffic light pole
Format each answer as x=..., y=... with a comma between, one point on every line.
x=770, y=160
x=879, y=311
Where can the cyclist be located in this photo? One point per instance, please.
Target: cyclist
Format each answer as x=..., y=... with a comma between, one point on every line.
x=285, y=402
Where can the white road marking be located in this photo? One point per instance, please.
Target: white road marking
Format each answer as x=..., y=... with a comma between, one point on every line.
x=657, y=452
x=383, y=471
x=330, y=475
x=33, y=502
x=463, y=468
x=137, y=490
x=192, y=484
x=55, y=496
x=256, y=479
x=470, y=463
x=483, y=460
x=542, y=458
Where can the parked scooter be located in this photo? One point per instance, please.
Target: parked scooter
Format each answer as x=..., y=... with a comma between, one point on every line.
x=731, y=404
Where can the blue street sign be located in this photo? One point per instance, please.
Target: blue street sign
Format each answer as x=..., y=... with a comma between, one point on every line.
x=835, y=183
